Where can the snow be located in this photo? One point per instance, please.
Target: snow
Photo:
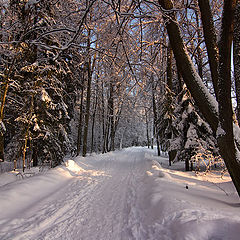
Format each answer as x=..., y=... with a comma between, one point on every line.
x=2, y=126
x=124, y=195
x=45, y=97
x=6, y=166
x=220, y=132
x=236, y=133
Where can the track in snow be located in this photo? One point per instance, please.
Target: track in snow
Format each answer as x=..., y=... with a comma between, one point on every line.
x=104, y=198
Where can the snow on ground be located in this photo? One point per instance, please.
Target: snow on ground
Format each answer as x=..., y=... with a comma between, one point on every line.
x=123, y=195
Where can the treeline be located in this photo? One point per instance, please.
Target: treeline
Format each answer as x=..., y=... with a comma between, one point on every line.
x=65, y=82
x=92, y=76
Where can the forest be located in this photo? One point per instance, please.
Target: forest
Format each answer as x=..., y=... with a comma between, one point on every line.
x=92, y=76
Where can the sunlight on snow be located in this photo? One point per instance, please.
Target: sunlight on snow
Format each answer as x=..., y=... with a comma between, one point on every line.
x=72, y=166
x=186, y=177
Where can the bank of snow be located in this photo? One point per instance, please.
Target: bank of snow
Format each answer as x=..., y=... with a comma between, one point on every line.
x=189, y=206
x=124, y=195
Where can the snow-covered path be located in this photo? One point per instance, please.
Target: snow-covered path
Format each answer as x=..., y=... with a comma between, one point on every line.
x=97, y=198
x=122, y=195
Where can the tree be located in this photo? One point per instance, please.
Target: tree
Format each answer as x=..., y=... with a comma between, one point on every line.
x=210, y=40
x=192, y=134
x=199, y=92
x=39, y=100
x=236, y=57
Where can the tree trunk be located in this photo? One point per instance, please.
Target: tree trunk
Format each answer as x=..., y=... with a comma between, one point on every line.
x=226, y=138
x=180, y=81
x=27, y=134
x=106, y=135
x=87, y=113
x=171, y=155
x=170, y=86
x=169, y=67
x=155, y=118
x=93, y=126
x=187, y=167
x=103, y=123
x=111, y=116
x=204, y=100
x=94, y=116
x=79, y=137
x=199, y=92
x=147, y=130
x=199, y=53
x=210, y=40
x=35, y=156
x=158, y=146
x=236, y=57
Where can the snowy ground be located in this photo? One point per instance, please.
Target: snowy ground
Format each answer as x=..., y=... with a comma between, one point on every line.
x=125, y=195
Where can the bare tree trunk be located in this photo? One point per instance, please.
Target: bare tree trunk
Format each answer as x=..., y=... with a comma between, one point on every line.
x=155, y=118
x=34, y=156
x=93, y=118
x=226, y=139
x=169, y=67
x=27, y=130
x=180, y=80
x=106, y=135
x=205, y=102
x=90, y=64
x=111, y=116
x=147, y=130
x=199, y=54
x=79, y=137
x=187, y=167
x=87, y=113
x=103, y=123
x=210, y=40
x=236, y=57
x=170, y=86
